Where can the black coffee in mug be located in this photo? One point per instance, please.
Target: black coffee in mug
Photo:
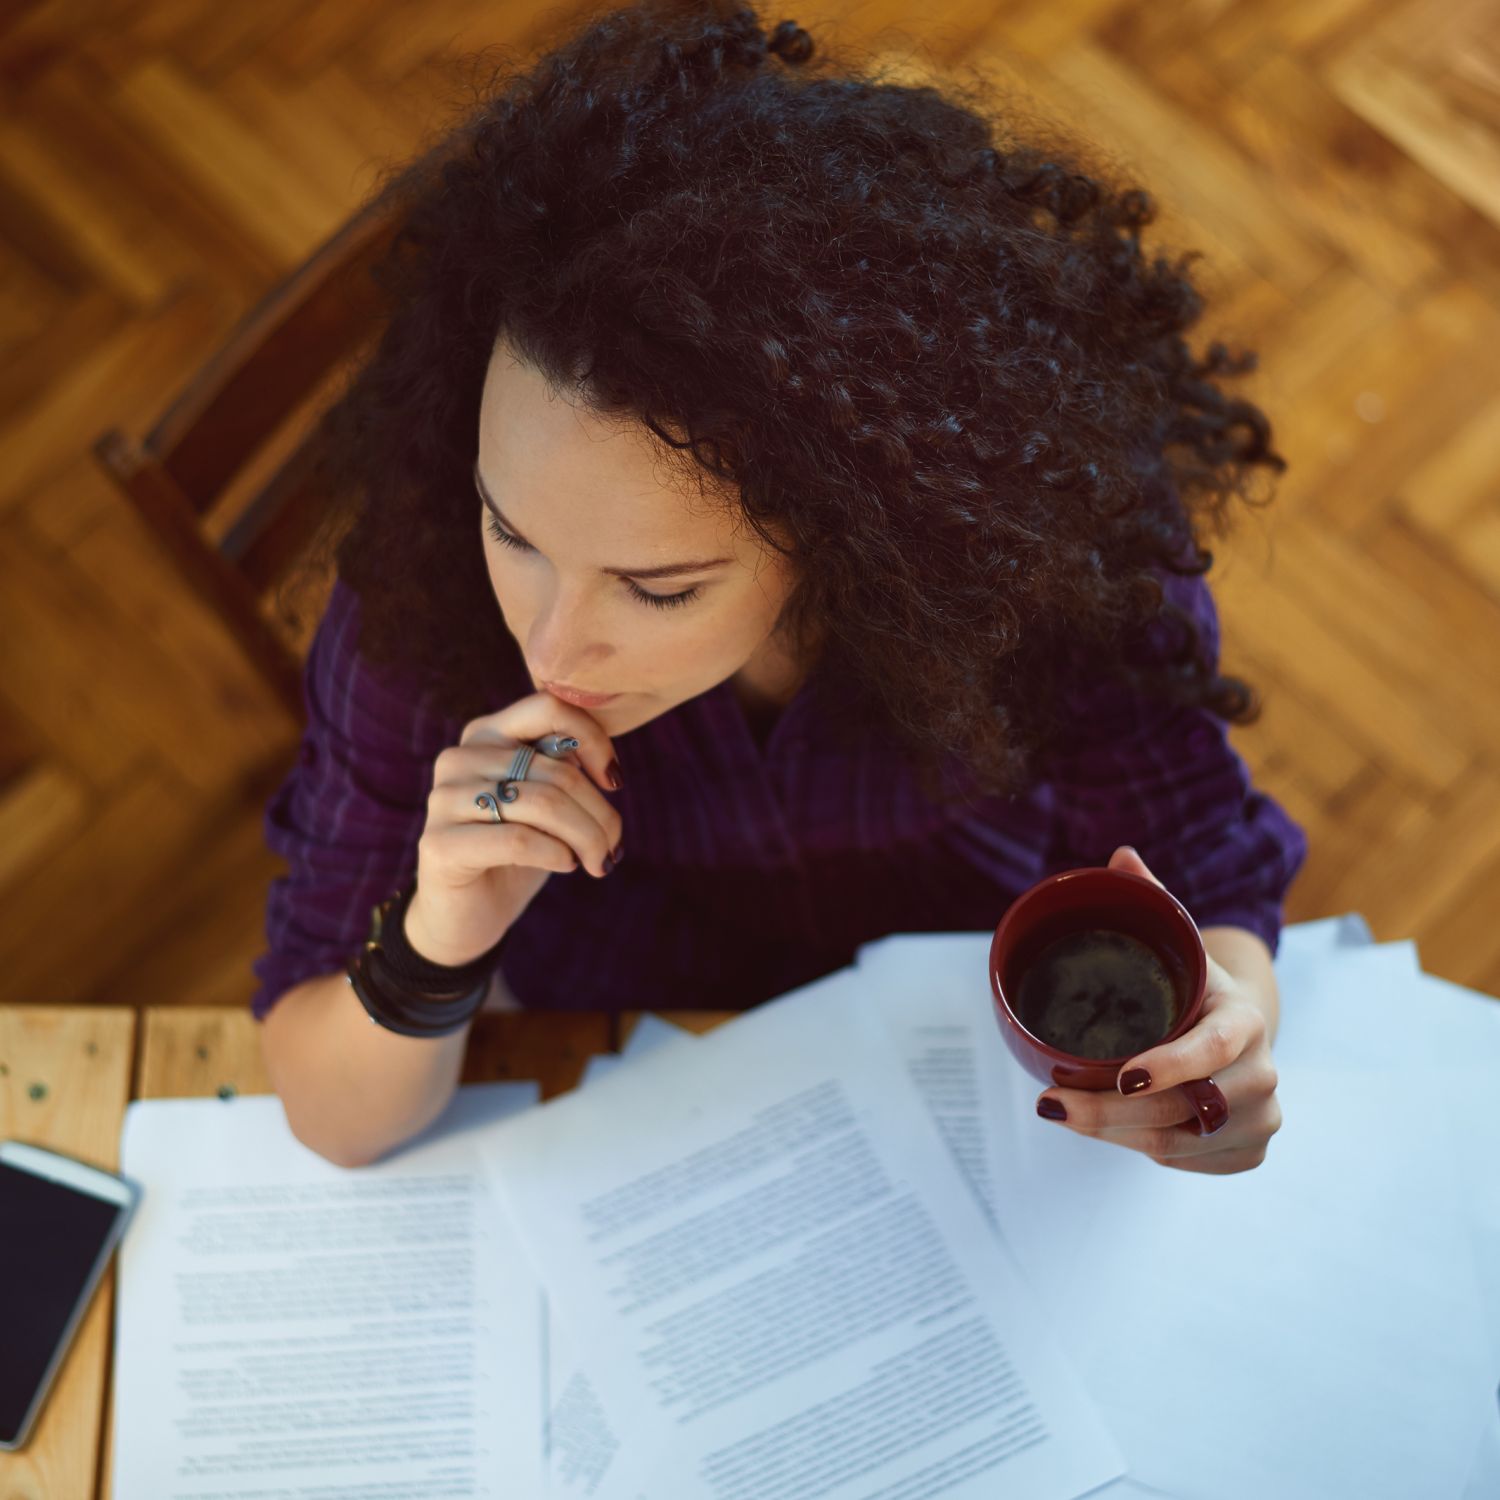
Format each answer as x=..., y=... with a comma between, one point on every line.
x=1099, y=993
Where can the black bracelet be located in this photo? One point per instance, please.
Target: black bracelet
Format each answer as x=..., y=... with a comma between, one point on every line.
x=407, y=993
x=424, y=1018
x=408, y=967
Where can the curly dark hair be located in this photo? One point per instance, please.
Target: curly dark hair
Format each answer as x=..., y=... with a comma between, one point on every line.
x=934, y=367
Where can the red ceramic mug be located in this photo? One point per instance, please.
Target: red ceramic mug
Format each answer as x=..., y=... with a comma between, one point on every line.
x=1094, y=898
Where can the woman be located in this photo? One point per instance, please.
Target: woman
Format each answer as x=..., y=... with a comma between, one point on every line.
x=820, y=444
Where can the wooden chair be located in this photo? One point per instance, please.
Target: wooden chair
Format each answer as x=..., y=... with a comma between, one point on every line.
x=254, y=395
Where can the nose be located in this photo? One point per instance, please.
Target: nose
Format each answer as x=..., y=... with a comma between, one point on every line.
x=562, y=645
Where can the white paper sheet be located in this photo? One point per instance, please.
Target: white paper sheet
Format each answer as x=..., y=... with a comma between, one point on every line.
x=1455, y=1151
x=285, y=1327
x=581, y=1442
x=786, y=1286
x=1340, y=1265
x=933, y=991
x=1330, y=1333
x=581, y=1447
x=1484, y=1473
x=1464, y=1026
x=650, y=1032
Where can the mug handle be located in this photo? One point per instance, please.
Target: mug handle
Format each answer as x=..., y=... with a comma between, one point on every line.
x=1211, y=1108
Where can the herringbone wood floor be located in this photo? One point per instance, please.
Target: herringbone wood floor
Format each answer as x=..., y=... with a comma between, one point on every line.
x=163, y=162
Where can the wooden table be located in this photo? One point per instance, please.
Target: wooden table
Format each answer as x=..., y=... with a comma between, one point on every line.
x=67, y=1073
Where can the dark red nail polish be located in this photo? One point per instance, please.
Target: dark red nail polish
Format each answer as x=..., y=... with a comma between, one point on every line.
x=1050, y=1109
x=609, y=864
x=618, y=852
x=1134, y=1081
x=1211, y=1117
x=613, y=773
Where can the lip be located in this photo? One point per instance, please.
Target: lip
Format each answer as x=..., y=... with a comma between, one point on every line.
x=579, y=699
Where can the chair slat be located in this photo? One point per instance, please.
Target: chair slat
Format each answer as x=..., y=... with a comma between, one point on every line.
x=280, y=351
x=221, y=586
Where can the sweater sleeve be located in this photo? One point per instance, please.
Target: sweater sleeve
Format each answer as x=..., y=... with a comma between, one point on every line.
x=350, y=813
x=1165, y=779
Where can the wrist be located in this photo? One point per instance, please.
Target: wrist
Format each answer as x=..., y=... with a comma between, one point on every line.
x=1246, y=958
x=430, y=945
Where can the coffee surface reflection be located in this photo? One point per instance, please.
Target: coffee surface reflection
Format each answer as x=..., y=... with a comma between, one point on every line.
x=1099, y=993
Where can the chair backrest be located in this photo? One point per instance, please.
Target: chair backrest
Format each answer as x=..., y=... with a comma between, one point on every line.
x=255, y=392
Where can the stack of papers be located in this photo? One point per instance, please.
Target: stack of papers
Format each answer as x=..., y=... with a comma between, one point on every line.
x=830, y=1252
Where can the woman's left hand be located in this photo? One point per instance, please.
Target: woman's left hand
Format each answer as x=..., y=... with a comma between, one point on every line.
x=1231, y=1043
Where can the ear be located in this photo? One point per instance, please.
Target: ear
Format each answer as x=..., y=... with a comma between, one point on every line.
x=1125, y=858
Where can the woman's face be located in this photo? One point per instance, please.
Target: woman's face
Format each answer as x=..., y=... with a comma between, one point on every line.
x=582, y=596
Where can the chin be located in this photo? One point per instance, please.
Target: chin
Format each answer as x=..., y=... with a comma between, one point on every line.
x=616, y=719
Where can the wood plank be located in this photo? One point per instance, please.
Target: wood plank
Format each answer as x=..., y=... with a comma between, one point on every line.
x=1410, y=107
x=140, y=190
x=552, y=1047
x=65, y=1075
x=1293, y=633
x=59, y=193
x=123, y=378
x=200, y=1052
x=69, y=921
x=121, y=654
x=206, y=924
x=1293, y=730
x=39, y=809
x=1396, y=635
x=266, y=194
x=1463, y=936
x=1322, y=155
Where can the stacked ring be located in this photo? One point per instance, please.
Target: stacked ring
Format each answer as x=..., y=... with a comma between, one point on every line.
x=507, y=789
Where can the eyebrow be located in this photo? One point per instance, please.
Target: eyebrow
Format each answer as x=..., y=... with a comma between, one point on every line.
x=663, y=570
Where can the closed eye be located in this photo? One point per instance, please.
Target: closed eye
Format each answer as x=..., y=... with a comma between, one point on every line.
x=656, y=601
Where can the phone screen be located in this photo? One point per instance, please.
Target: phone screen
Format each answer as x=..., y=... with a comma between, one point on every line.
x=51, y=1236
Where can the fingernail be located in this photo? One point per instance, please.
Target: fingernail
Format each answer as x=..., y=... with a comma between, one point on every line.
x=1051, y=1109
x=618, y=852
x=609, y=864
x=1134, y=1081
x=1212, y=1118
x=613, y=773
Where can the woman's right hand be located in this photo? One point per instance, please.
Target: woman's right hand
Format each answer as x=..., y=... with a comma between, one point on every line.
x=476, y=876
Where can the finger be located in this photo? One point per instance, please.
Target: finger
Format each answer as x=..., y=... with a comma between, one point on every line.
x=1100, y=1112
x=537, y=714
x=1128, y=859
x=477, y=847
x=1218, y=1163
x=1164, y=1143
x=538, y=804
x=477, y=767
x=1165, y=1125
x=1221, y=1036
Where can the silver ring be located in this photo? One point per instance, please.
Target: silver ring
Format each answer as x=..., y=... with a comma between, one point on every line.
x=507, y=789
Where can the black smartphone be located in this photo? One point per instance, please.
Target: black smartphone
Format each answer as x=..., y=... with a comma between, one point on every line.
x=60, y=1220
